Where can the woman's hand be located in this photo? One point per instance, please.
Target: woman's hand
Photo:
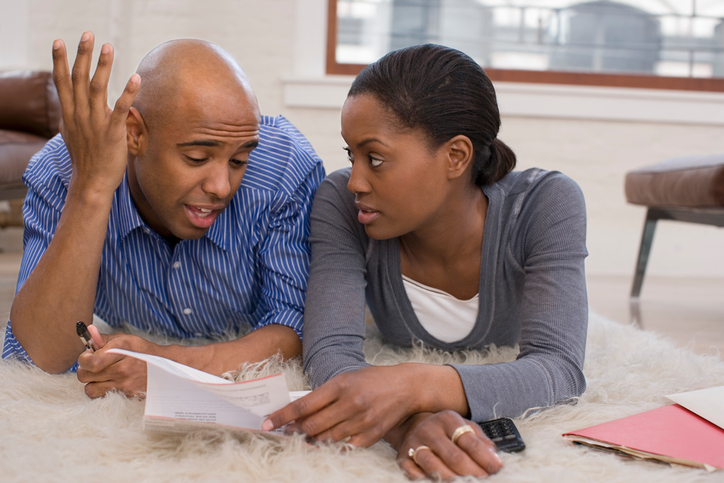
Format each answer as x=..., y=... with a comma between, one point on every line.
x=362, y=405
x=427, y=448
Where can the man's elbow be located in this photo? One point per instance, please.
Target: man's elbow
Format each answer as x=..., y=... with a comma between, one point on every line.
x=43, y=358
x=285, y=339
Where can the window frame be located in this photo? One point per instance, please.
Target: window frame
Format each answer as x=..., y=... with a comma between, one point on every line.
x=539, y=77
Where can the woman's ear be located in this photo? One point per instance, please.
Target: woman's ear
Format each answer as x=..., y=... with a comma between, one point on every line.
x=460, y=155
x=136, y=132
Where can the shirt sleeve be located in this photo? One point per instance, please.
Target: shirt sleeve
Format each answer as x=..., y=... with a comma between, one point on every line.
x=334, y=328
x=41, y=215
x=551, y=242
x=283, y=256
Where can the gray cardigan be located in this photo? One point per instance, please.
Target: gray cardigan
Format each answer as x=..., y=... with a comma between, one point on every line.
x=532, y=293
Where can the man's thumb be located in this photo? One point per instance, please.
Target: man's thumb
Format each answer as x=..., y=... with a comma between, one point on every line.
x=98, y=339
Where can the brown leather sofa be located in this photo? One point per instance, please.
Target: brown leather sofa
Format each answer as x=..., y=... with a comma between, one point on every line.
x=29, y=116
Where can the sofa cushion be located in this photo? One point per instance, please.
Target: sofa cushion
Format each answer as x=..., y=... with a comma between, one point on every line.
x=686, y=181
x=29, y=102
x=16, y=149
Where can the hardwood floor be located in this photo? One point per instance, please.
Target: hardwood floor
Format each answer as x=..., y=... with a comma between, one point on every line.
x=688, y=310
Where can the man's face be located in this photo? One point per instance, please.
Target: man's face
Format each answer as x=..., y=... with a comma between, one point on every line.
x=193, y=160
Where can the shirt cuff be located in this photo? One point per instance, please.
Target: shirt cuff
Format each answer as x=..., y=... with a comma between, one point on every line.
x=13, y=350
x=288, y=318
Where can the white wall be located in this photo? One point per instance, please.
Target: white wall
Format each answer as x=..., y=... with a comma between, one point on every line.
x=280, y=45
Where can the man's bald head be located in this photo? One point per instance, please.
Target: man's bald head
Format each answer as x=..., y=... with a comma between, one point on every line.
x=186, y=67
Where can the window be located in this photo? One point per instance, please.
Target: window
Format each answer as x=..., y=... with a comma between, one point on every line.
x=663, y=44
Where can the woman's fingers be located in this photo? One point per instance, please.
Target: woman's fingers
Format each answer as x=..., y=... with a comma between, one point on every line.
x=347, y=417
x=302, y=408
x=480, y=449
x=363, y=439
x=434, y=465
x=350, y=405
x=410, y=467
x=459, y=461
x=429, y=446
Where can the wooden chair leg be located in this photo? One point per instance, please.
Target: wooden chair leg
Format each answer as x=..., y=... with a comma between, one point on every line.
x=647, y=239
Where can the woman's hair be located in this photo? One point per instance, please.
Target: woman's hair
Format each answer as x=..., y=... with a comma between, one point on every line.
x=444, y=93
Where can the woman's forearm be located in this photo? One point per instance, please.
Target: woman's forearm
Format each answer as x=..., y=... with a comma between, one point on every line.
x=434, y=388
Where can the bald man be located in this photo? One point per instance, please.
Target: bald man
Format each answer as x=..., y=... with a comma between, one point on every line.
x=139, y=215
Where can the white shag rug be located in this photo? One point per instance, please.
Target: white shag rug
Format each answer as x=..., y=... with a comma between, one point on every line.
x=50, y=431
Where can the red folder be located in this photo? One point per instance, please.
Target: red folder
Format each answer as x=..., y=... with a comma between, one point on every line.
x=671, y=433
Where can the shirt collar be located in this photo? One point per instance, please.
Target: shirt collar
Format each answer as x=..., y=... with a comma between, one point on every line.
x=219, y=231
x=128, y=219
x=127, y=216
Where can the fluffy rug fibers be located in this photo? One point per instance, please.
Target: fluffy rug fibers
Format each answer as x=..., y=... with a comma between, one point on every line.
x=50, y=431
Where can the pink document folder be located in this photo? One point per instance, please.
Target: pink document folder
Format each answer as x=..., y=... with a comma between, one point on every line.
x=671, y=433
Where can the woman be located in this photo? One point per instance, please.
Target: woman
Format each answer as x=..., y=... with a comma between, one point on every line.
x=447, y=246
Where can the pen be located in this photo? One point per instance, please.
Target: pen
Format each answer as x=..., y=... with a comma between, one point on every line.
x=85, y=336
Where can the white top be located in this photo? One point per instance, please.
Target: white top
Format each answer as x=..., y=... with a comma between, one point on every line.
x=443, y=316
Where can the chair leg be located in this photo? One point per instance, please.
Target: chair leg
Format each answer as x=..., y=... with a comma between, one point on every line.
x=634, y=310
x=647, y=239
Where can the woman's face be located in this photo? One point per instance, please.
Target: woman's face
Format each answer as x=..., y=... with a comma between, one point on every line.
x=399, y=183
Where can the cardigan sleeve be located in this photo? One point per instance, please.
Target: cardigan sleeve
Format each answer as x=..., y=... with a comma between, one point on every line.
x=551, y=244
x=334, y=317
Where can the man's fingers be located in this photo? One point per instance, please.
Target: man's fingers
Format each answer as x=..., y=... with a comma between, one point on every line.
x=80, y=74
x=98, y=86
x=80, y=96
x=98, y=339
x=61, y=77
x=124, y=103
x=99, y=389
x=94, y=365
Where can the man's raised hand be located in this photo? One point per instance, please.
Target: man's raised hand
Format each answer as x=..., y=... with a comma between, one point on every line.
x=94, y=133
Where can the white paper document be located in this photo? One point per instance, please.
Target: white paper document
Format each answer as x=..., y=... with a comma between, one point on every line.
x=179, y=398
x=707, y=403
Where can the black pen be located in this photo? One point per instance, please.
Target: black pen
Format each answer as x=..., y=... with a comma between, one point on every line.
x=85, y=336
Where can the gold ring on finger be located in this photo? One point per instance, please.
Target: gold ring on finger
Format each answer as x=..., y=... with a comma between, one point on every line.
x=412, y=452
x=465, y=428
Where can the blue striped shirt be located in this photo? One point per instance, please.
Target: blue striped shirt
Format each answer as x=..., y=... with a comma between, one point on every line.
x=249, y=270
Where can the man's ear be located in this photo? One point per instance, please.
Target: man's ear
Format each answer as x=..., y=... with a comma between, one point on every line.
x=136, y=132
x=460, y=155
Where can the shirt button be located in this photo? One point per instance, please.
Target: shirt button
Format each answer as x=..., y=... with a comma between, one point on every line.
x=177, y=265
x=187, y=311
x=147, y=231
x=198, y=334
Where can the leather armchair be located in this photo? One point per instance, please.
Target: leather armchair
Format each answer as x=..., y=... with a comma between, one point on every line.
x=29, y=117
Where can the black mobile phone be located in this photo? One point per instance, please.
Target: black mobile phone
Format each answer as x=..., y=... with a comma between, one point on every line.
x=504, y=434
